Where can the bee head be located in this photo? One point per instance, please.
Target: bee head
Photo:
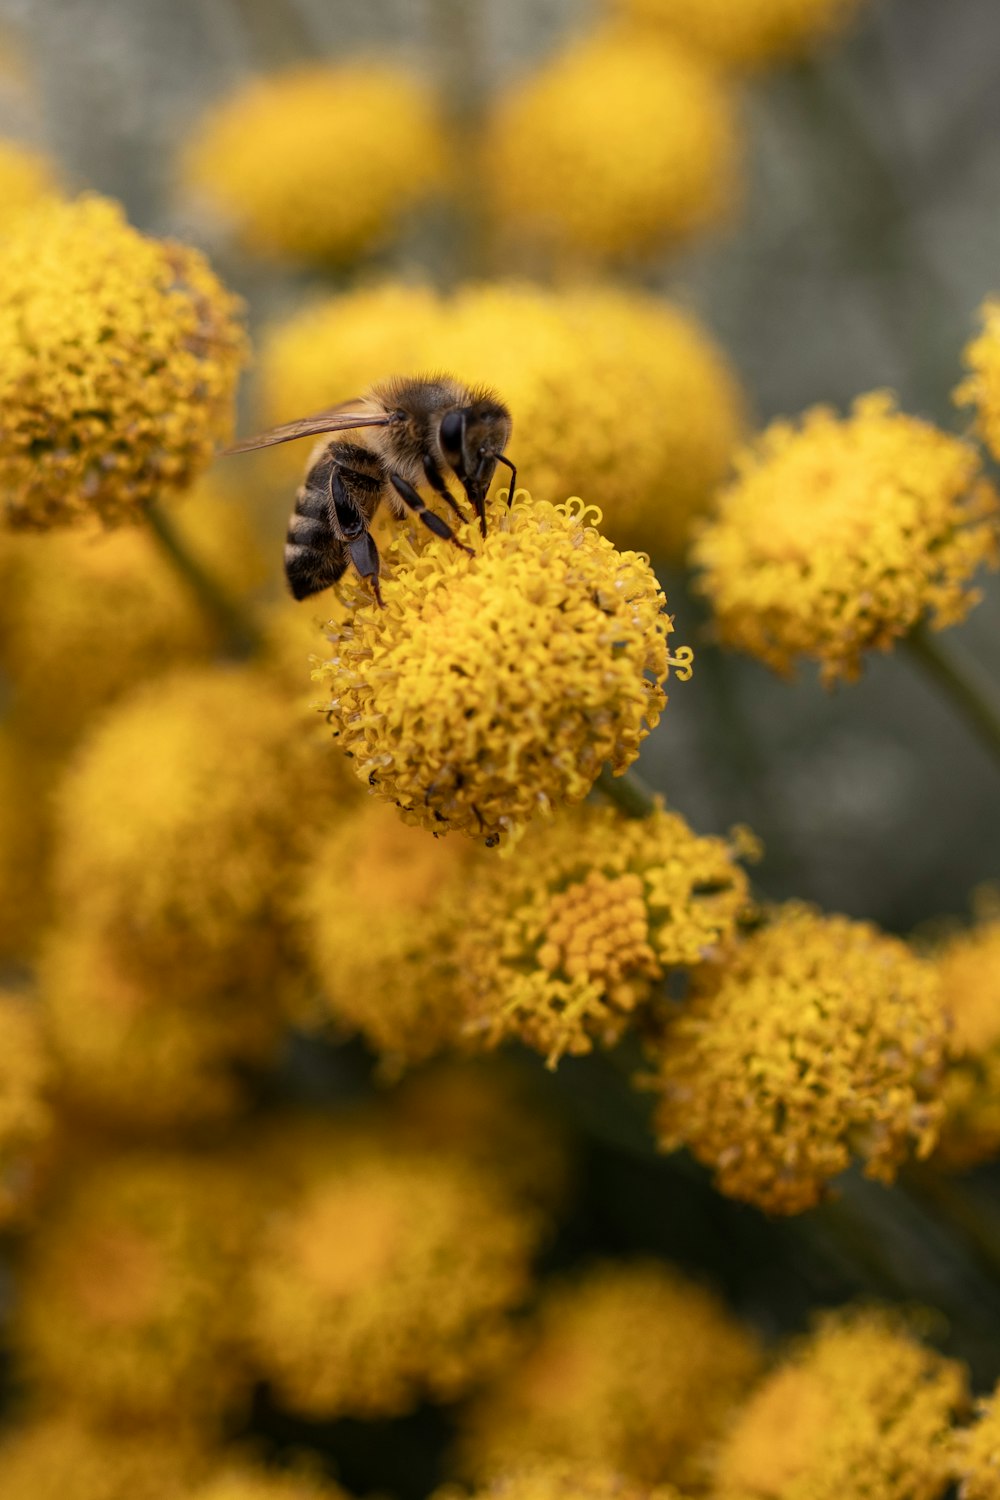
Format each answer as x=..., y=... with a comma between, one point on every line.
x=473, y=438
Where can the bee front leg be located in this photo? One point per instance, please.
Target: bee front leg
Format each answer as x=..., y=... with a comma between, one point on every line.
x=412, y=500
x=436, y=481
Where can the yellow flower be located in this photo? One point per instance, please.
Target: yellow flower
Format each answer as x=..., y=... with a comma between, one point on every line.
x=182, y=823
x=574, y=929
x=26, y=776
x=121, y=604
x=976, y=1452
x=322, y=162
x=26, y=1122
x=126, y=1309
x=154, y=1047
x=387, y=1275
x=981, y=387
x=62, y=1458
x=495, y=687
x=557, y=1480
x=118, y=362
x=618, y=145
x=751, y=34
x=821, y=1041
x=969, y=966
x=27, y=177
x=859, y=1408
x=242, y=1482
x=630, y=1366
x=380, y=934
x=839, y=534
x=614, y=392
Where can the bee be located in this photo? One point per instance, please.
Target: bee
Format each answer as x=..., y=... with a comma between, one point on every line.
x=401, y=434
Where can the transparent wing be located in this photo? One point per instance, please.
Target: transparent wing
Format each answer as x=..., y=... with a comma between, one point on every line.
x=336, y=419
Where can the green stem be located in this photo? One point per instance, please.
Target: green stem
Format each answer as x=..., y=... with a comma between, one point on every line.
x=971, y=692
x=241, y=637
x=626, y=792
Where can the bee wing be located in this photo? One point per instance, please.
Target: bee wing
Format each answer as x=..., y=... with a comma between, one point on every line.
x=336, y=419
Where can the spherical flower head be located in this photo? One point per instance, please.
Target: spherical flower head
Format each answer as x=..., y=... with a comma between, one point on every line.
x=386, y=1277
x=976, y=1453
x=556, y=1479
x=492, y=688
x=126, y=1308
x=981, y=387
x=26, y=1123
x=119, y=357
x=592, y=373
x=122, y=604
x=320, y=163
x=379, y=932
x=183, y=819
x=619, y=145
x=587, y=914
x=969, y=967
x=821, y=1041
x=151, y=1048
x=53, y=1457
x=839, y=534
x=241, y=1481
x=26, y=776
x=631, y=1366
x=752, y=34
x=27, y=178
x=859, y=1408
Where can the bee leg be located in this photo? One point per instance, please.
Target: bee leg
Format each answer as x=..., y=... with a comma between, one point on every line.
x=412, y=500
x=364, y=556
x=436, y=482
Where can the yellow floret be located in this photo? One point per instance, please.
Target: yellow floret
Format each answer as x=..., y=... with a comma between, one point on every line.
x=118, y=362
x=617, y=146
x=751, y=33
x=495, y=687
x=840, y=534
x=320, y=163
x=821, y=1041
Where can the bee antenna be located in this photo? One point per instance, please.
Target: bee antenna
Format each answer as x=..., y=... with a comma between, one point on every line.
x=513, y=477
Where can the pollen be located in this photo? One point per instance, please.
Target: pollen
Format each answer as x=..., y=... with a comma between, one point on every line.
x=598, y=930
x=838, y=535
x=492, y=689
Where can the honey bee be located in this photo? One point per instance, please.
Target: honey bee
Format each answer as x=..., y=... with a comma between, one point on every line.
x=402, y=433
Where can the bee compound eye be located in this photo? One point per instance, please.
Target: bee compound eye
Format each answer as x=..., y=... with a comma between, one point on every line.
x=451, y=431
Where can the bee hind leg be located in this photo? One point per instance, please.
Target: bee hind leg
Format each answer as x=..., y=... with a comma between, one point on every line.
x=412, y=500
x=364, y=556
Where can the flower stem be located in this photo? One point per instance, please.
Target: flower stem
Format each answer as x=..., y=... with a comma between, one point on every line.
x=627, y=792
x=970, y=691
x=241, y=637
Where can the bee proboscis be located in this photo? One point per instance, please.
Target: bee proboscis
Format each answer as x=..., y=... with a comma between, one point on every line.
x=402, y=433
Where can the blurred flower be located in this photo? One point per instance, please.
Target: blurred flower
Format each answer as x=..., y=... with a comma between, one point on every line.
x=381, y=934
x=752, y=34
x=26, y=1122
x=614, y=393
x=859, y=1408
x=118, y=362
x=981, y=387
x=387, y=1276
x=243, y=1482
x=26, y=776
x=183, y=821
x=556, y=1480
x=821, y=1041
x=493, y=688
x=320, y=163
x=62, y=1458
x=839, y=534
x=617, y=146
x=127, y=1307
x=119, y=605
x=153, y=1048
x=969, y=966
x=630, y=1365
x=27, y=177
x=574, y=929
x=976, y=1453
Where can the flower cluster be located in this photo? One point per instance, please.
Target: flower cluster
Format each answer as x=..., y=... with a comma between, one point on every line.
x=753, y=34
x=839, y=535
x=118, y=363
x=821, y=1041
x=492, y=688
x=557, y=1480
x=314, y=164
x=969, y=966
x=981, y=386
